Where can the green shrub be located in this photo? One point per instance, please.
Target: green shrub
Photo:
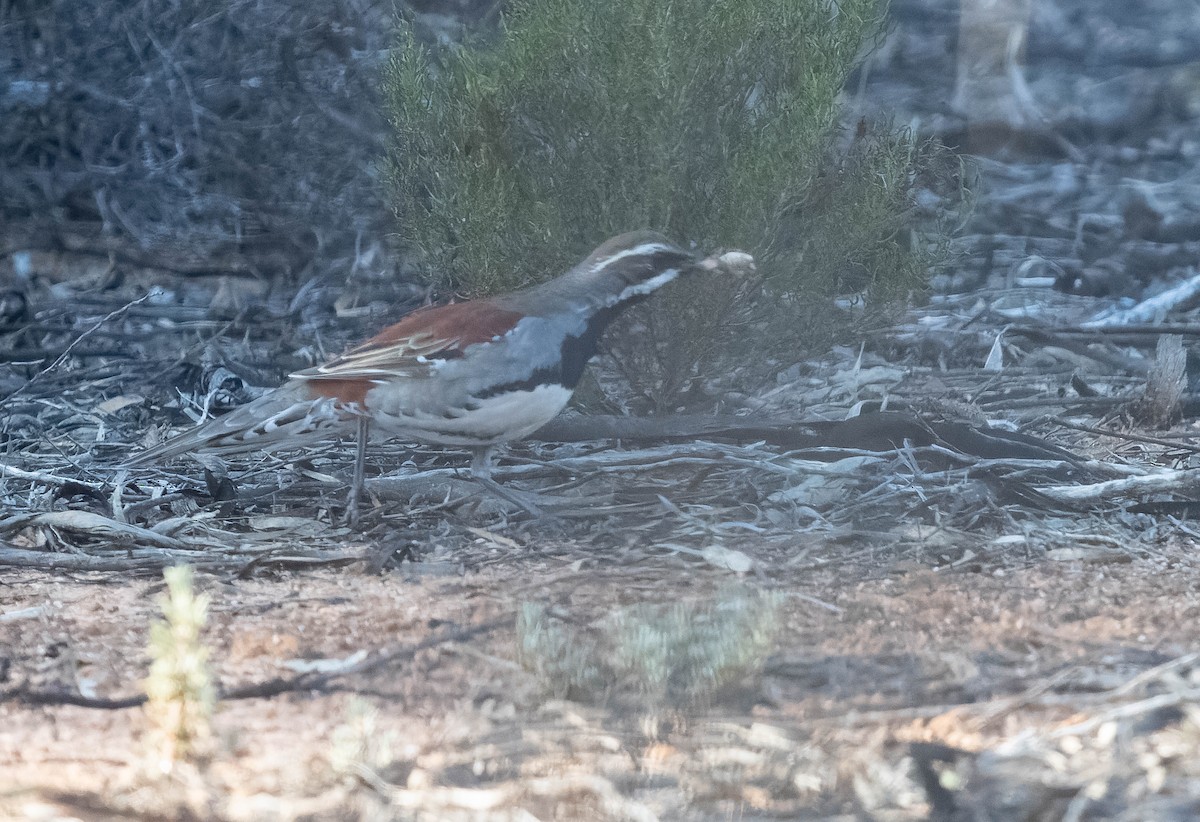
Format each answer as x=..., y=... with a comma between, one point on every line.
x=712, y=121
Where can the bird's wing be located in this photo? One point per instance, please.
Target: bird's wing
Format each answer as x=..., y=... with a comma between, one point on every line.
x=288, y=417
x=411, y=346
x=320, y=400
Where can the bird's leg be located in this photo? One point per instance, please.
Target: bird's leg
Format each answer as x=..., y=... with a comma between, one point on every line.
x=481, y=461
x=481, y=472
x=360, y=465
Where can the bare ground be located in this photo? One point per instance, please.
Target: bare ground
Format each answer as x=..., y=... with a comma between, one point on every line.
x=869, y=658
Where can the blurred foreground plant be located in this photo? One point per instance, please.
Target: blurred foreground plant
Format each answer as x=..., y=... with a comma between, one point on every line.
x=179, y=688
x=677, y=655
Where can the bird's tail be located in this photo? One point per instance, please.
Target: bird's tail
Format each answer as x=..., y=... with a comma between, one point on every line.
x=288, y=417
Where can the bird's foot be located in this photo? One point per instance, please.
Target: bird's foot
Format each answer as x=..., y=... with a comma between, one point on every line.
x=518, y=499
x=351, y=516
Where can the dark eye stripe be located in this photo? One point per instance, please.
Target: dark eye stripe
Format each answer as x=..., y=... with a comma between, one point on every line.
x=669, y=258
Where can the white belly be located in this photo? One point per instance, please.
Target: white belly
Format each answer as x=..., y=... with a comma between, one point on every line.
x=489, y=421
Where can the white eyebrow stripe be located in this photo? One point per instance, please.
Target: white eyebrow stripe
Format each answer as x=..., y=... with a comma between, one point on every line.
x=642, y=250
x=645, y=287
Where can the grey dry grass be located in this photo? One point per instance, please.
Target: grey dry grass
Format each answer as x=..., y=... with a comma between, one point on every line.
x=713, y=122
x=179, y=688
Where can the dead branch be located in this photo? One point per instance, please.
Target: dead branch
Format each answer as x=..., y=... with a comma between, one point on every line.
x=881, y=431
x=1182, y=297
x=478, y=800
x=308, y=681
x=61, y=358
x=1163, y=482
x=33, y=476
x=93, y=525
x=53, y=561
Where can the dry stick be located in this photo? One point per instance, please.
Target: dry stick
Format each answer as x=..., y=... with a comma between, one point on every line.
x=683, y=426
x=700, y=453
x=1051, y=402
x=1156, y=330
x=134, y=508
x=997, y=708
x=33, y=476
x=1182, y=296
x=112, y=315
x=605, y=462
x=1188, y=480
x=129, y=554
x=1130, y=710
x=1152, y=674
x=29, y=356
x=310, y=681
x=506, y=794
x=1121, y=435
x=94, y=525
x=53, y=561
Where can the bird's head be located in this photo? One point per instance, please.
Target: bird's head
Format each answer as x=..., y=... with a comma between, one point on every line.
x=632, y=265
x=626, y=268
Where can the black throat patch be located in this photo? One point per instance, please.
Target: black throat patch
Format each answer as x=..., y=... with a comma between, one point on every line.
x=574, y=354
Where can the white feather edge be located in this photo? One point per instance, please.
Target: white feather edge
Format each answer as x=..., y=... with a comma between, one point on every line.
x=645, y=287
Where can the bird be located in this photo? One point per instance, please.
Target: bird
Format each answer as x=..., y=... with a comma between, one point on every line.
x=473, y=374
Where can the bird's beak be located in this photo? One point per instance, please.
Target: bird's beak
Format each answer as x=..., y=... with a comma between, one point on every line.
x=735, y=263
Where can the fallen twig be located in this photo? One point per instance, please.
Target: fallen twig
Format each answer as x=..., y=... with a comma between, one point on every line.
x=553, y=788
x=1165, y=481
x=1176, y=444
x=310, y=681
x=94, y=525
x=33, y=476
x=1181, y=297
x=112, y=315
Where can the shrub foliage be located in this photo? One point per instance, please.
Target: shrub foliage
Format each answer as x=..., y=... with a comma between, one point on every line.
x=710, y=120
